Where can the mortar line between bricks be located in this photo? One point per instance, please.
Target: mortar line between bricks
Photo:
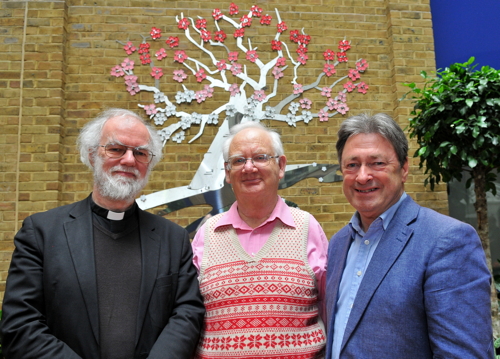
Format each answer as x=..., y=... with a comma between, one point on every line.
x=21, y=88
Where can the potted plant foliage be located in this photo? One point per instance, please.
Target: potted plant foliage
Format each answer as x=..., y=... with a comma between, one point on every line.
x=456, y=124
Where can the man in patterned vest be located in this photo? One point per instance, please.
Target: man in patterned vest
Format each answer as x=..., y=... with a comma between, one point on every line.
x=261, y=264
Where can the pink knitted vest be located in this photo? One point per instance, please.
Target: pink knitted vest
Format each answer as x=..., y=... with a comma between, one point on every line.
x=263, y=306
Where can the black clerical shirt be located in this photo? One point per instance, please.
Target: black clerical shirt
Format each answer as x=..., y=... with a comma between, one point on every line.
x=117, y=250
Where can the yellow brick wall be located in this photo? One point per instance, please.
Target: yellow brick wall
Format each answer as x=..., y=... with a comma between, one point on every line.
x=55, y=67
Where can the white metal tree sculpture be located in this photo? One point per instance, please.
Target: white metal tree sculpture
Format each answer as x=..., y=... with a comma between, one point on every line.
x=248, y=98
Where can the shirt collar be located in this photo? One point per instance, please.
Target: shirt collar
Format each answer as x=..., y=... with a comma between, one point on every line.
x=385, y=217
x=280, y=211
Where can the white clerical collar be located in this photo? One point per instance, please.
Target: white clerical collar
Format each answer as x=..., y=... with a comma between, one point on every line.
x=115, y=216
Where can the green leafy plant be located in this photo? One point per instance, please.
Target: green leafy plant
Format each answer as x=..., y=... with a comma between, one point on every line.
x=456, y=123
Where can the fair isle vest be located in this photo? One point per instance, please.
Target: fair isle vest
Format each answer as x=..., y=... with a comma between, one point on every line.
x=263, y=306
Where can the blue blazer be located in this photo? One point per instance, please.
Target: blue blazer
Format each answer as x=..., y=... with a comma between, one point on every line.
x=425, y=293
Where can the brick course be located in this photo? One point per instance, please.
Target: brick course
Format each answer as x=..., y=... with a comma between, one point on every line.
x=55, y=67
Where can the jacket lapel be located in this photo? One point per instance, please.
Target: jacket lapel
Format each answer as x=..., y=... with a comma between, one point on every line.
x=150, y=252
x=338, y=249
x=79, y=236
x=390, y=247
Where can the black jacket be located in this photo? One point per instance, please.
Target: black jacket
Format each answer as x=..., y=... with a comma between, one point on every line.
x=50, y=306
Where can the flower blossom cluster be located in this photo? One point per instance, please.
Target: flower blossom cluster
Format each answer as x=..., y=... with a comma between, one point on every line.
x=289, y=46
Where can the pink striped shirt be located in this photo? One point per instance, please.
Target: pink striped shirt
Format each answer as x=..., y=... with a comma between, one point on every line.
x=253, y=239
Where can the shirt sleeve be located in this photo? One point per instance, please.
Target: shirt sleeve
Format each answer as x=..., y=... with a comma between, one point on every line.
x=197, y=246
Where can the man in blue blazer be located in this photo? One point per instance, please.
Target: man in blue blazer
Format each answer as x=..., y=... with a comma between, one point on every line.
x=402, y=280
x=101, y=278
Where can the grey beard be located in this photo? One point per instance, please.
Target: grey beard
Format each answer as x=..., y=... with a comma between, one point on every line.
x=118, y=188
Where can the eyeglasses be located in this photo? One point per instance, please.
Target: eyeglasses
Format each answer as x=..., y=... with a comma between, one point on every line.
x=116, y=151
x=259, y=161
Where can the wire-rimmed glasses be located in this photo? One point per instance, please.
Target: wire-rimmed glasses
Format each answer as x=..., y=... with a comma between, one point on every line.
x=116, y=151
x=237, y=162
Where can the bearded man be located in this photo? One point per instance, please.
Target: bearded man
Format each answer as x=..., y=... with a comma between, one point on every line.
x=101, y=278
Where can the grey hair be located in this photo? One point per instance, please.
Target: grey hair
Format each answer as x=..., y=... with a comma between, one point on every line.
x=90, y=135
x=275, y=138
x=381, y=124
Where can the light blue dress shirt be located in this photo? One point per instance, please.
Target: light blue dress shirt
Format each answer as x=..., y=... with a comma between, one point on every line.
x=359, y=256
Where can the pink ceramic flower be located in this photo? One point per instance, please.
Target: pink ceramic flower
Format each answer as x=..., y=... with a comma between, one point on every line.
x=145, y=59
x=150, y=109
x=326, y=91
x=129, y=48
x=236, y=68
x=281, y=27
x=302, y=58
x=155, y=33
x=277, y=72
x=183, y=24
x=133, y=89
x=331, y=104
x=180, y=56
x=361, y=65
x=200, y=96
x=252, y=55
x=130, y=80
x=246, y=21
x=362, y=87
x=217, y=14
x=341, y=97
x=344, y=45
x=305, y=103
x=259, y=95
x=323, y=115
x=172, y=41
x=221, y=65
x=233, y=56
x=200, y=75
x=329, y=69
x=301, y=49
x=297, y=89
x=201, y=24
x=117, y=71
x=305, y=39
x=266, y=20
x=206, y=35
x=342, y=108
x=349, y=86
x=353, y=74
x=239, y=33
x=208, y=90
x=234, y=90
x=128, y=64
x=276, y=45
x=329, y=55
x=144, y=48
x=156, y=72
x=161, y=54
x=256, y=11
x=294, y=35
x=220, y=36
x=342, y=57
x=281, y=61
x=233, y=9
x=179, y=75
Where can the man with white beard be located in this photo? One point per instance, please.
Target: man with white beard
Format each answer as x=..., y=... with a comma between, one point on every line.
x=101, y=278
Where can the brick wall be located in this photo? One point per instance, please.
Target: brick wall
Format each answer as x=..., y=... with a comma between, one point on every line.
x=55, y=67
